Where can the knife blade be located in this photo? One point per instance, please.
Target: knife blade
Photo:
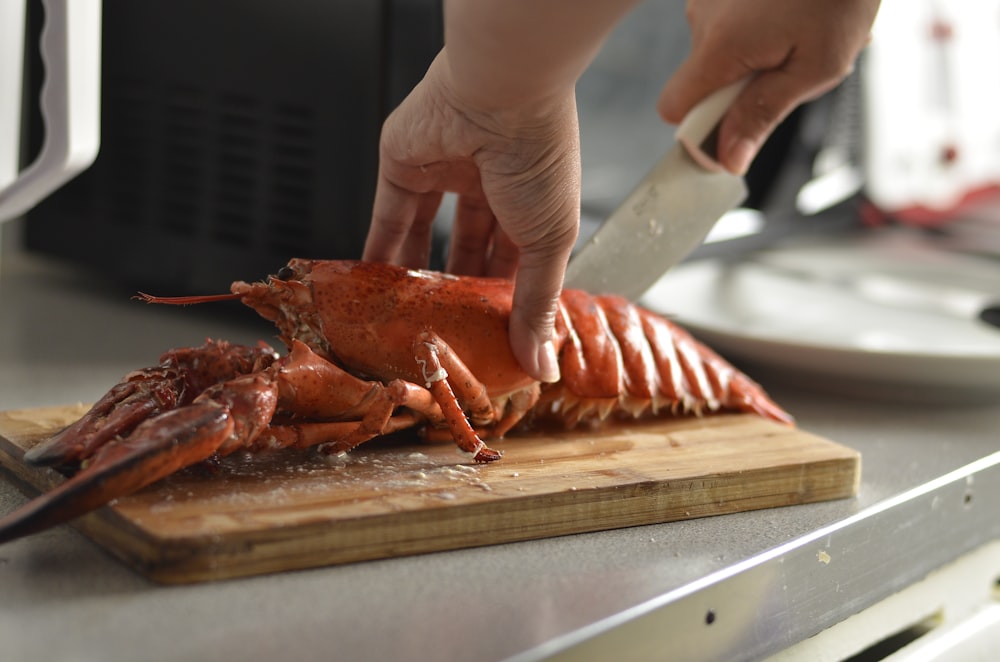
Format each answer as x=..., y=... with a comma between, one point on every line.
x=668, y=214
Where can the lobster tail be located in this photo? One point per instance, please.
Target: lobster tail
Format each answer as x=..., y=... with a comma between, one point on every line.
x=617, y=358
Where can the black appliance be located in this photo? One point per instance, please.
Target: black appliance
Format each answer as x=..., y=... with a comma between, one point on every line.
x=235, y=134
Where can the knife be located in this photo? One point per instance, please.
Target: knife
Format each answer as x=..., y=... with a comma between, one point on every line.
x=668, y=214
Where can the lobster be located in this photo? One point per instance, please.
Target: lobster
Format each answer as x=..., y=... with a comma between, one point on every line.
x=373, y=349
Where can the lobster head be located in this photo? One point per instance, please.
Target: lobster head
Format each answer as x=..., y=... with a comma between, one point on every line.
x=366, y=315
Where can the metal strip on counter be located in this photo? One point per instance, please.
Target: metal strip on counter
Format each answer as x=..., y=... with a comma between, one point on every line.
x=766, y=603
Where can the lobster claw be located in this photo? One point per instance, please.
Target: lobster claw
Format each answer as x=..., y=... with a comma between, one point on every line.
x=223, y=418
x=180, y=377
x=156, y=448
x=115, y=415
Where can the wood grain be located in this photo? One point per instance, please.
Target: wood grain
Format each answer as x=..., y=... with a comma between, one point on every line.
x=292, y=509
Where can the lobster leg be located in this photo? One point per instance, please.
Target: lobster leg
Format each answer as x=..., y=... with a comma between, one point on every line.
x=332, y=437
x=312, y=389
x=440, y=368
x=519, y=404
x=309, y=386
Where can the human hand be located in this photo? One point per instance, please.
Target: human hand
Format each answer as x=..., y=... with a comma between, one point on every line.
x=797, y=49
x=517, y=176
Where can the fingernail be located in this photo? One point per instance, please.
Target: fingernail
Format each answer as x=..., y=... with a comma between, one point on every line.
x=740, y=154
x=548, y=364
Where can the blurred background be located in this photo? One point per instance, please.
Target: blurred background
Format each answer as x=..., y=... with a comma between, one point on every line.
x=227, y=156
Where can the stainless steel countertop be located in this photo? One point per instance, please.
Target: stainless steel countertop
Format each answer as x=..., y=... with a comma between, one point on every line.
x=770, y=578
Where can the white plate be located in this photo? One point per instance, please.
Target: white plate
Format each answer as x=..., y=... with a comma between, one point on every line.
x=803, y=318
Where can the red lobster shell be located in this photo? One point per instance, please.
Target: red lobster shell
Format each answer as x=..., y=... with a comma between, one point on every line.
x=373, y=349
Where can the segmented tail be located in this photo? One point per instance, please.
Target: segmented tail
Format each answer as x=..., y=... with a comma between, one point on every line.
x=619, y=359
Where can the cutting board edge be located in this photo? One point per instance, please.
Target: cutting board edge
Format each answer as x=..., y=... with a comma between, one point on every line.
x=181, y=561
x=192, y=559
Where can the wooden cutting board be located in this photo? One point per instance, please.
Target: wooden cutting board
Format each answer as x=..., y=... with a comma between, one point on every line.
x=297, y=509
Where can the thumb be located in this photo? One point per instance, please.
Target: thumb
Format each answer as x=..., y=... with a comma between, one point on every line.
x=533, y=315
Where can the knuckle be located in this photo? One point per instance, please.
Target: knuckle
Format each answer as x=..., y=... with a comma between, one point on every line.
x=763, y=113
x=829, y=72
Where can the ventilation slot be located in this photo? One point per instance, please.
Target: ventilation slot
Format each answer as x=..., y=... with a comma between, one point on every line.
x=238, y=191
x=293, y=164
x=124, y=133
x=184, y=158
x=886, y=647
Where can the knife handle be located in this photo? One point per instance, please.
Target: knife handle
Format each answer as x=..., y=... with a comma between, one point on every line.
x=699, y=131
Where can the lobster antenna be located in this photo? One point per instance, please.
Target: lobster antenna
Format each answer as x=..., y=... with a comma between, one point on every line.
x=185, y=301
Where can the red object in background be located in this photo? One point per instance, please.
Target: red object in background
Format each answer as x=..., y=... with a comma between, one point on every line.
x=927, y=217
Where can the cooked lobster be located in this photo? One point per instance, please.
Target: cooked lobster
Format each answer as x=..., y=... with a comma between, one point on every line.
x=373, y=349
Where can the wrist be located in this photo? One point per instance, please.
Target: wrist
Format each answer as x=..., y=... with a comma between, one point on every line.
x=523, y=56
x=504, y=107
x=503, y=91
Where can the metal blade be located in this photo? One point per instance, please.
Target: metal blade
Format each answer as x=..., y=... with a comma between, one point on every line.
x=661, y=221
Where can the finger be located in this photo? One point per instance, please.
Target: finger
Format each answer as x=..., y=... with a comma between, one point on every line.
x=696, y=78
x=766, y=100
x=393, y=213
x=407, y=199
x=504, y=255
x=472, y=235
x=415, y=251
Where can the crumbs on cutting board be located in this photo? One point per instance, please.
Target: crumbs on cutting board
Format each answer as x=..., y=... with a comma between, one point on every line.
x=283, y=477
